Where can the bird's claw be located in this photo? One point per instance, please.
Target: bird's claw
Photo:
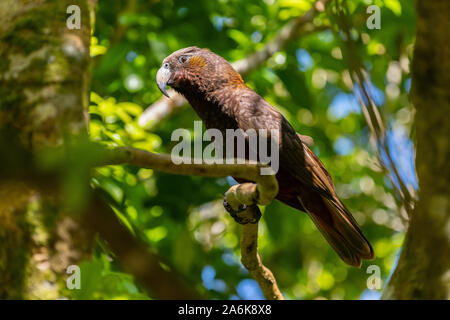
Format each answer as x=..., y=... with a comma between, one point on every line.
x=235, y=213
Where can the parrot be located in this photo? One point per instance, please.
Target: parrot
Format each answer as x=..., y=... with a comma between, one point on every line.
x=222, y=100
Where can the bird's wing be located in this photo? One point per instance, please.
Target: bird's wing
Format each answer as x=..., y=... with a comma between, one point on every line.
x=316, y=192
x=253, y=112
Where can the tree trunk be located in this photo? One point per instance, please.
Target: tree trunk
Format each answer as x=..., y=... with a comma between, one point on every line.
x=423, y=270
x=44, y=90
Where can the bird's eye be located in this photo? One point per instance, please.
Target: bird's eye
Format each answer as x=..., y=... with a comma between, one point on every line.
x=183, y=59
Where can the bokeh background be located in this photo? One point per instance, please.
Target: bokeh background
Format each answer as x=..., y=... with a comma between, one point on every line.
x=181, y=217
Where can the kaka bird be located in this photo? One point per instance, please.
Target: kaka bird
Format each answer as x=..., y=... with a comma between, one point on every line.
x=223, y=101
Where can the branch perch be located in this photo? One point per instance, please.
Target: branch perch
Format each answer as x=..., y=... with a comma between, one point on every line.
x=247, y=194
x=252, y=261
x=266, y=185
x=262, y=192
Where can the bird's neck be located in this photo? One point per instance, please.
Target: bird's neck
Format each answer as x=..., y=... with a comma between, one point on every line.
x=216, y=108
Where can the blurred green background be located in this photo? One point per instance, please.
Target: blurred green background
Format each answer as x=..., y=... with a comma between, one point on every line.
x=181, y=217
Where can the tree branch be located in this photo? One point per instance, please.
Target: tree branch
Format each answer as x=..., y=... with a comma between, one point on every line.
x=252, y=262
x=299, y=26
x=243, y=194
x=266, y=185
x=302, y=25
x=249, y=194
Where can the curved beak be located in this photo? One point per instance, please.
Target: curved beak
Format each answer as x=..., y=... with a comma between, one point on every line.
x=162, y=79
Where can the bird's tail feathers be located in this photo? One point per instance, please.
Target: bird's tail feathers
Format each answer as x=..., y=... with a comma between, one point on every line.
x=340, y=229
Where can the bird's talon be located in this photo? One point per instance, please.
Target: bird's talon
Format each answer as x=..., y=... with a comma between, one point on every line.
x=235, y=213
x=258, y=215
x=230, y=210
x=242, y=207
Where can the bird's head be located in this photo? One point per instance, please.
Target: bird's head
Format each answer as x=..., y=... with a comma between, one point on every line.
x=196, y=70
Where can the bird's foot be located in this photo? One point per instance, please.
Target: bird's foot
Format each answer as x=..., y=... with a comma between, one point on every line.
x=254, y=218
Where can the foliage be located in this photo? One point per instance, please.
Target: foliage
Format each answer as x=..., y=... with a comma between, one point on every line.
x=181, y=217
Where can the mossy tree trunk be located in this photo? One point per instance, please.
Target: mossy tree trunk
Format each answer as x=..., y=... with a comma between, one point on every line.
x=44, y=96
x=423, y=271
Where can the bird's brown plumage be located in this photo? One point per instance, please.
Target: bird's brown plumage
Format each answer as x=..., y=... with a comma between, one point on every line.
x=223, y=101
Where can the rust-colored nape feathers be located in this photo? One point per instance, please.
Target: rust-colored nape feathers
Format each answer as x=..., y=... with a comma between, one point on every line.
x=235, y=78
x=197, y=61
